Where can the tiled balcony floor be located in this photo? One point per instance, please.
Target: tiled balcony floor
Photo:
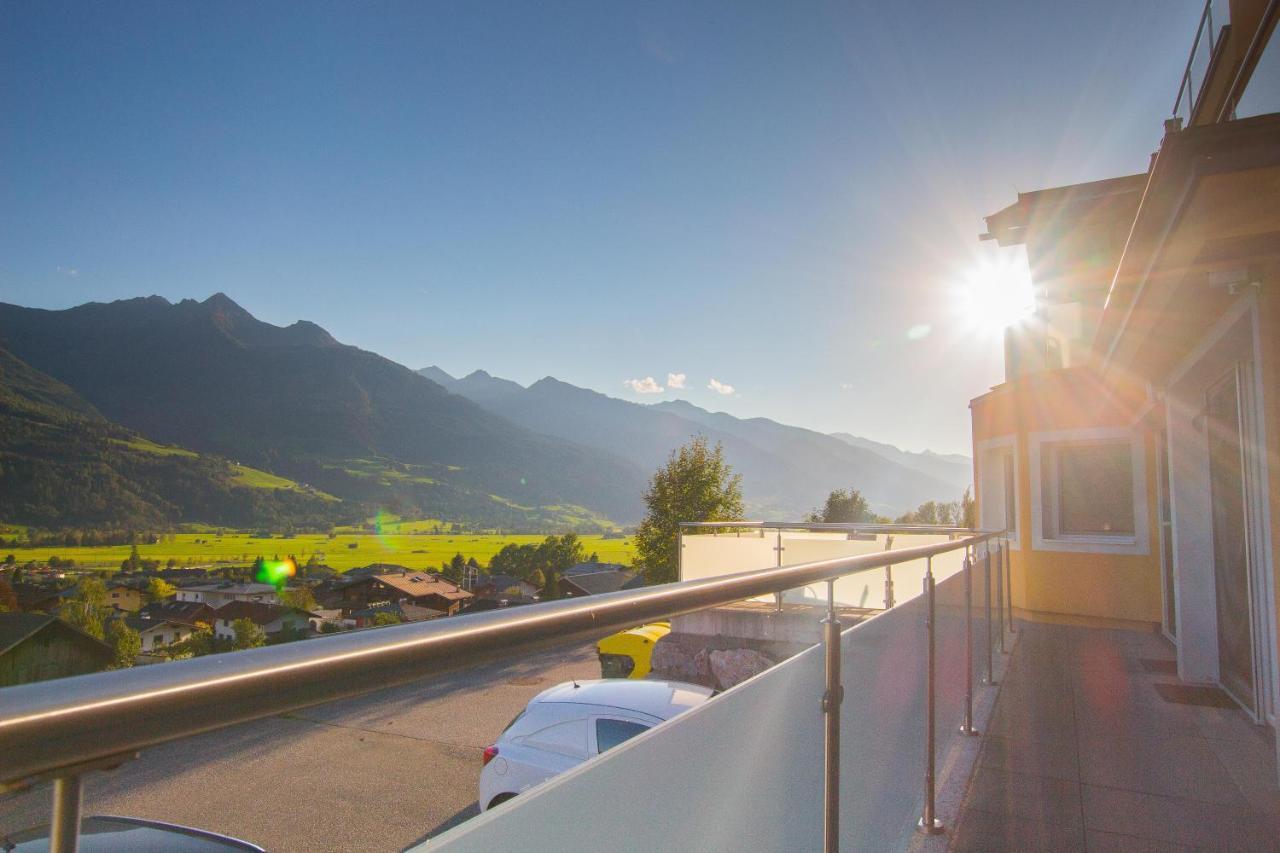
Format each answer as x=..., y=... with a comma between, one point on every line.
x=1083, y=753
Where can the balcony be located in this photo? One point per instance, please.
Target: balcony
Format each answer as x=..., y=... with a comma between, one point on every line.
x=846, y=745
x=1094, y=744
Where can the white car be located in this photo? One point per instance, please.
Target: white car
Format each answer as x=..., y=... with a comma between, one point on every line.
x=572, y=722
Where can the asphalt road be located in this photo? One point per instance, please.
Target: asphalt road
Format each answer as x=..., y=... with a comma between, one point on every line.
x=379, y=773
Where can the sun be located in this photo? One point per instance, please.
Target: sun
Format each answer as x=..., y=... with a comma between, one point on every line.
x=994, y=294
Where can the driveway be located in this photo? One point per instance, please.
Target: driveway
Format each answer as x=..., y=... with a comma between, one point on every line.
x=380, y=772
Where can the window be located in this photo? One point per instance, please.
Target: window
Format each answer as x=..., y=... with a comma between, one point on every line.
x=610, y=733
x=569, y=738
x=1089, y=490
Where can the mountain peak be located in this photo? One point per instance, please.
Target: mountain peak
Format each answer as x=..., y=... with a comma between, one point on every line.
x=436, y=375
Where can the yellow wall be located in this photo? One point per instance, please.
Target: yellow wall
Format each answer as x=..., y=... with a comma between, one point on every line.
x=1119, y=587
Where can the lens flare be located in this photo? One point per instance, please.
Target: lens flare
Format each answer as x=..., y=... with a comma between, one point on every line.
x=995, y=293
x=276, y=572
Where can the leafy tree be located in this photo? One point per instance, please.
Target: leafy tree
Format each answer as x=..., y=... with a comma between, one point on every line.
x=158, y=589
x=843, y=507
x=968, y=510
x=300, y=597
x=87, y=607
x=126, y=643
x=696, y=484
x=247, y=634
x=8, y=601
x=385, y=618
x=200, y=642
x=133, y=562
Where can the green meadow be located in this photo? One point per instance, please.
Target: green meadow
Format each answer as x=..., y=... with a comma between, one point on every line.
x=346, y=550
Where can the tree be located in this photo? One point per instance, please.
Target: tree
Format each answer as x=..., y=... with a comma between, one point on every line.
x=8, y=600
x=385, y=618
x=696, y=484
x=247, y=634
x=87, y=607
x=158, y=589
x=968, y=510
x=133, y=562
x=126, y=643
x=843, y=508
x=300, y=597
x=200, y=642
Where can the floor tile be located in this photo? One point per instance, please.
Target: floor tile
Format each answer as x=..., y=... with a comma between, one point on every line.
x=986, y=832
x=1038, y=798
x=1055, y=757
x=1172, y=766
x=1178, y=820
x=1110, y=842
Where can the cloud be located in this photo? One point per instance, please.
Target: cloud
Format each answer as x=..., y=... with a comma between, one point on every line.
x=719, y=387
x=846, y=386
x=675, y=380
x=644, y=386
x=71, y=271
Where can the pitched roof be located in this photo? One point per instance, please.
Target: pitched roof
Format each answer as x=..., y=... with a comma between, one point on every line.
x=595, y=583
x=182, y=612
x=258, y=612
x=419, y=584
x=591, y=567
x=232, y=588
x=16, y=627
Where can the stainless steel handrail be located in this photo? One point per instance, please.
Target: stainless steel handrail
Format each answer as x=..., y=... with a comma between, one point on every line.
x=855, y=527
x=52, y=725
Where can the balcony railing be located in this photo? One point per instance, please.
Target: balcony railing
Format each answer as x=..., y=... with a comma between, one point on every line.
x=61, y=730
x=1211, y=34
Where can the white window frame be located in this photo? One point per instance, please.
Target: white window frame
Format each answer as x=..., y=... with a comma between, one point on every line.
x=991, y=514
x=1136, y=543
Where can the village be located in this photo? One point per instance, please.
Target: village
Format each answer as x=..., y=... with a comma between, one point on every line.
x=56, y=623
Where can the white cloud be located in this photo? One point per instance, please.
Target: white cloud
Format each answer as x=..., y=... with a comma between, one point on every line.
x=846, y=386
x=71, y=271
x=648, y=385
x=719, y=387
x=675, y=380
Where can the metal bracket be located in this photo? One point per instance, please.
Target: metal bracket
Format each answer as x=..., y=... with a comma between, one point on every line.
x=828, y=704
x=111, y=762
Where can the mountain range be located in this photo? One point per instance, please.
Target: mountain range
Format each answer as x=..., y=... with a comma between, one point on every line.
x=198, y=411
x=786, y=469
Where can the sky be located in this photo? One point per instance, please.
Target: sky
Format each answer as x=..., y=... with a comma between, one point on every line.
x=769, y=209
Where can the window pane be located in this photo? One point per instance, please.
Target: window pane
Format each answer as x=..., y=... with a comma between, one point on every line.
x=1095, y=489
x=610, y=733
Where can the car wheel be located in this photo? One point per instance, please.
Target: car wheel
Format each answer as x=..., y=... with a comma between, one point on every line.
x=500, y=799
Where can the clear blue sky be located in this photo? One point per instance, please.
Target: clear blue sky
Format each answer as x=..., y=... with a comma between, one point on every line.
x=769, y=194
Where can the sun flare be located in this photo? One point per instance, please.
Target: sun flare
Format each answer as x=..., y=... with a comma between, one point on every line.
x=995, y=294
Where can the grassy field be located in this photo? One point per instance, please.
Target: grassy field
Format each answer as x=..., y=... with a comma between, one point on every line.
x=344, y=551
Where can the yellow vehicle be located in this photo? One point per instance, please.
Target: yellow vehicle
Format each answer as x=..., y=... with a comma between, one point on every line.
x=628, y=654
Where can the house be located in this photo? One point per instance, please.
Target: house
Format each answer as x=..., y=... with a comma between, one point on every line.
x=608, y=578
x=34, y=647
x=333, y=618
x=271, y=618
x=591, y=567
x=125, y=594
x=405, y=611
x=420, y=588
x=217, y=594
x=158, y=633
x=192, y=614
x=41, y=597
x=1132, y=448
x=503, y=587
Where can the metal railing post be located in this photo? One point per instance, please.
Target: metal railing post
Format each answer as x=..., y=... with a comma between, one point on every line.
x=929, y=820
x=986, y=582
x=1008, y=570
x=777, y=596
x=64, y=825
x=1000, y=596
x=888, y=576
x=967, y=726
x=832, y=698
